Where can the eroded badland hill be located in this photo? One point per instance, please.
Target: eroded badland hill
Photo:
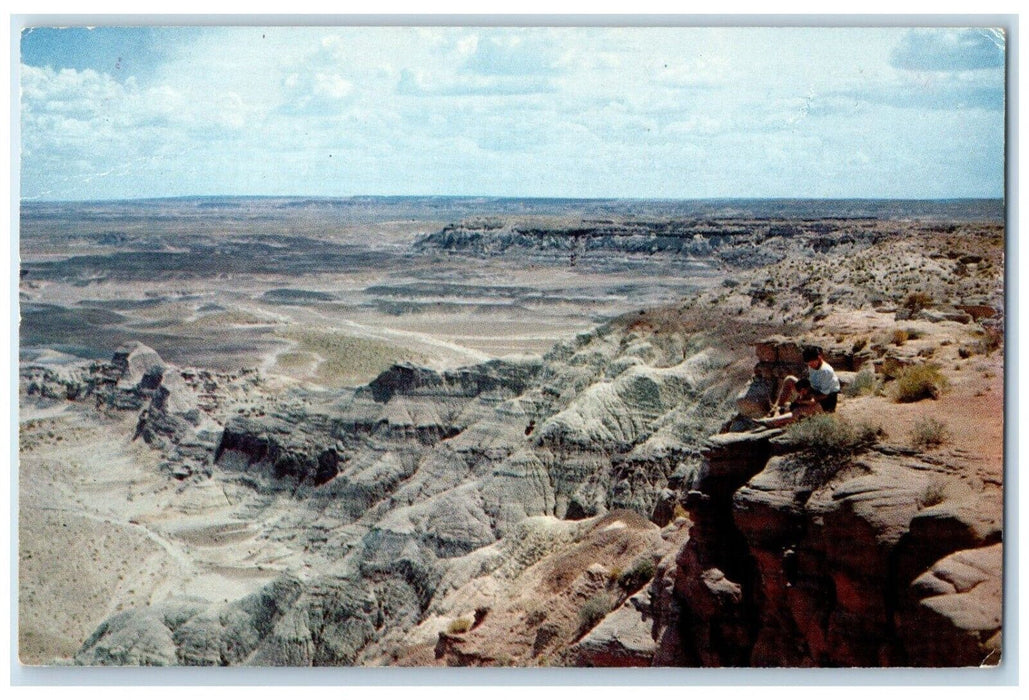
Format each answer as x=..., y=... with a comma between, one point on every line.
x=608, y=502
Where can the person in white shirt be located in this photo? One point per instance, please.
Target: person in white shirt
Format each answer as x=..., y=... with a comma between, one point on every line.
x=817, y=393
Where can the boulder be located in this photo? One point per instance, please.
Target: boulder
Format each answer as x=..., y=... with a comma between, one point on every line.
x=978, y=311
x=136, y=362
x=756, y=398
x=623, y=638
x=966, y=522
x=732, y=458
x=893, y=363
x=955, y=619
x=942, y=314
x=766, y=350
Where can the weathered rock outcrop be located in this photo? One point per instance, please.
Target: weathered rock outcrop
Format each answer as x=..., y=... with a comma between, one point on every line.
x=180, y=410
x=738, y=242
x=422, y=474
x=127, y=382
x=420, y=489
x=779, y=357
x=840, y=572
x=836, y=562
x=952, y=614
x=622, y=639
x=420, y=469
x=804, y=558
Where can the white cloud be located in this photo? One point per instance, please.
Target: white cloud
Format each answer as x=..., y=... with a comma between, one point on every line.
x=697, y=125
x=332, y=86
x=415, y=81
x=503, y=53
x=949, y=49
x=549, y=111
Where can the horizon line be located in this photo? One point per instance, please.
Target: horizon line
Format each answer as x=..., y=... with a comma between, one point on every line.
x=117, y=200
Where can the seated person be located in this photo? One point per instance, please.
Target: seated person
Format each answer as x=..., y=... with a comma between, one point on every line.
x=820, y=387
x=825, y=384
x=803, y=401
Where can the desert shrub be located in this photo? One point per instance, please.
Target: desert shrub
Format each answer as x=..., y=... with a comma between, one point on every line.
x=965, y=352
x=536, y=616
x=916, y=301
x=936, y=492
x=593, y=611
x=929, y=432
x=638, y=574
x=919, y=382
x=826, y=444
x=865, y=383
x=991, y=340
x=221, y=319
x=294, y=360
x=826, y=434
x=899, y=336
x=859, y=344
x=459, y=626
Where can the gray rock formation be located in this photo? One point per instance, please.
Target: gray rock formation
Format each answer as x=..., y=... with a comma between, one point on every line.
x=181, y=412
x=741, y=243
x=956, y=618
x=424, y=489
x=420, y=469
x=623, y=638
x=803, y=559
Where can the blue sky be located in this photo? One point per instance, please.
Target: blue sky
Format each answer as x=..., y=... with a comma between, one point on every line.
x=683, y=112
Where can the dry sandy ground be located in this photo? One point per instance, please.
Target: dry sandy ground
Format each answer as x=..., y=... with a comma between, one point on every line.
x=971, y=407
x=504, y=310
x=102, y=529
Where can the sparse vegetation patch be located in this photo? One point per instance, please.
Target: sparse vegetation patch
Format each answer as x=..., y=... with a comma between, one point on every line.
x=827, y=434
x=224, y=319
x=919, y=382
x=346, y=359
x=938, y=490
x=459, y=626
x=593, y=611
x=989, y=341
x=916, y=301
x=825, y=445
x=637, y=576
x=294, y=360
x=866, y=383
x=929, y=432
